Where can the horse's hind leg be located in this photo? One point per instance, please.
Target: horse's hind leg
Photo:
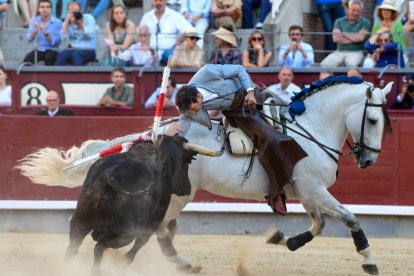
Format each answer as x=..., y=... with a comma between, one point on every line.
x=330, y=206
x=165, y=236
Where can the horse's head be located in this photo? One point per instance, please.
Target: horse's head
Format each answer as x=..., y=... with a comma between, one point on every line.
x=366, y=123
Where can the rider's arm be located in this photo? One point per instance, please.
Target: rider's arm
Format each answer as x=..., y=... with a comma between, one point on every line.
x=230, y=71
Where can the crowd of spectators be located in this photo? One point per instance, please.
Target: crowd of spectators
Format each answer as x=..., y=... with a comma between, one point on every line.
x=163, y=32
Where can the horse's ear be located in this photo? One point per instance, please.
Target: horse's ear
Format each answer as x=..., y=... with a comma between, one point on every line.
x=387, y=88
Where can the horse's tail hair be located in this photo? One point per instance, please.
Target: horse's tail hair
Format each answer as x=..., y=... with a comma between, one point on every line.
x=46, y=166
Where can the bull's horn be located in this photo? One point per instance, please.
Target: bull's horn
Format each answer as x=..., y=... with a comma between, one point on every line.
x=202, y=150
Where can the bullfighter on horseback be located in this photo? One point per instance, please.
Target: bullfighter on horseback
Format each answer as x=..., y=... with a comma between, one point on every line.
x=229, y=88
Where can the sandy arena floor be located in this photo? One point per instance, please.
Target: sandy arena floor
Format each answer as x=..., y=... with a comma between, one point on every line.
x=43, y=254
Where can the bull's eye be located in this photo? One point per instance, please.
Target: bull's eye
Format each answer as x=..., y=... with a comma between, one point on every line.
x=372, y=121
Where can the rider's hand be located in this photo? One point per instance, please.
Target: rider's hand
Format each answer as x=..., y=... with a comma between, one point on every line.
x=250, y=99
x=173, y=129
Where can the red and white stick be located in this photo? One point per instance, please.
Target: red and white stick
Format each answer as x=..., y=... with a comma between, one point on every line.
x=160, y=104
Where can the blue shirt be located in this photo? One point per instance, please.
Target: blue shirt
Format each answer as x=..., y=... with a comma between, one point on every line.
x=195, y=7
x=82, y=39
x=53, y=28
x=319, y=2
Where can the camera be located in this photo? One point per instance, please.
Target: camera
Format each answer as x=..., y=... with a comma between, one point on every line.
x=77, y=15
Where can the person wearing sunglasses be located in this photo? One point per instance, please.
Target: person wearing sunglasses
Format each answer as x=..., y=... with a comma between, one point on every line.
x=188, y=54
x=383, y=51
x=256, y=55
x=296, y=53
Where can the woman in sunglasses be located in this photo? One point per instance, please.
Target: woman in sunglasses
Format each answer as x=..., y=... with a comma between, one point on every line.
x=383, y=51
x=256, y=55
x=188, y=54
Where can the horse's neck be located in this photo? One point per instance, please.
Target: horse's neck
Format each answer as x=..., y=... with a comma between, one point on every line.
x=325, y=112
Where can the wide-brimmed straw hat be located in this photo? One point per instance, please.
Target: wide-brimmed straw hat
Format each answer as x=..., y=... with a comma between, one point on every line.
x=192, y=32
x=226, y=35
x=388, y=5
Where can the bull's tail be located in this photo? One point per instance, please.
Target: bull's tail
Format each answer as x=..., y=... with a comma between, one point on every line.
x=45, y=166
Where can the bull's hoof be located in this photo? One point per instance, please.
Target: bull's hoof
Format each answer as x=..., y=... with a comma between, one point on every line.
x=274, y=236
x=371, y=269
x=189, y=268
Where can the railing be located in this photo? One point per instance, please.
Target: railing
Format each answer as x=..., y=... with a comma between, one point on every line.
x=15, y=47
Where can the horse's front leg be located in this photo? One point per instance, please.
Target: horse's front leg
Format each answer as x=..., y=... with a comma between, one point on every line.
x=330, y=206
x=295, y=242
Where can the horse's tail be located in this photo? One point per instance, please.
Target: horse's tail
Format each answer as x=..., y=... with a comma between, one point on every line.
x=46, y=166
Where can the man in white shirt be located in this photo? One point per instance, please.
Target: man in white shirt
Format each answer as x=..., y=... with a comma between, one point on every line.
x=285, y=88
x=296, y=54
x=166, y=26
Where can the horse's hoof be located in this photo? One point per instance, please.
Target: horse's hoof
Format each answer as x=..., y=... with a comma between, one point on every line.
x=274, y=236
x=371, y=269
x=189, y=268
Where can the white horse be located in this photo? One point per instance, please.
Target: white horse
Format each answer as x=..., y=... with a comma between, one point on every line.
x=331, y=113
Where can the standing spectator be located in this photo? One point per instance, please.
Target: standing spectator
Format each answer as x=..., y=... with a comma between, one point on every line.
x=384, y=51
x=120, y=94
x=139, y=53
x=53, y=108
x=387, y=13
x=188, y=54
x=166, y=25
x=3, y=9
x=256, y=55
x=285, y=88
x=296, y=54
x=197, y=12
x=28, y=8
x=226, y=14
x=405, y=100
x=5, y=90
x=45, y=30
x=226, y=51
x=349, y=33
x=119, y=35
x=169, y=99
x=329, y=11
x=247, y=10
x=80, y=30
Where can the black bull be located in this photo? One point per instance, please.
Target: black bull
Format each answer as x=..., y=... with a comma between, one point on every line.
x=125, y=196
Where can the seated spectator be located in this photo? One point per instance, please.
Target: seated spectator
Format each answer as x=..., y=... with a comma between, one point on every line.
x=247, y=11
x=285, y=88
x=324, y=74
x=166, y=26
x=257, y=55
x=387, y=13
x=329, y=11
x=405, y=100
x=119, y=35
x=349, y=33
x=28, y=9
x=139, y=53
x=354, y=72
x=53, y=108
x=5, y=90
x=120, y=94
x=100, y=6
x=80, y=30
x=45, y=30
x=188, y=54
x=226, y=51
x=169, y=99
x=296, y=54
x=226, y=14
x=197, y=12
x=383, y=51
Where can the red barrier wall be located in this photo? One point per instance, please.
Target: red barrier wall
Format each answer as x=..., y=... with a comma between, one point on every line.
x=389, y=182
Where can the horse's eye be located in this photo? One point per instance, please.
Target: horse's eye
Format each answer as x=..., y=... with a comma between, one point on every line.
x=372, y=121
